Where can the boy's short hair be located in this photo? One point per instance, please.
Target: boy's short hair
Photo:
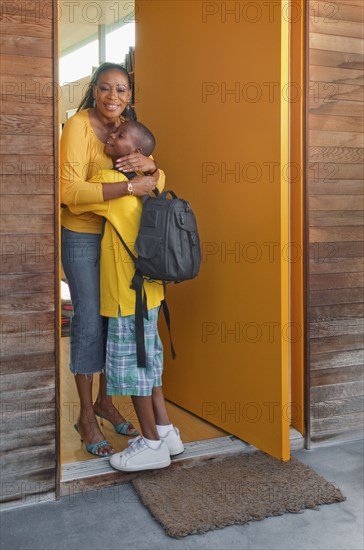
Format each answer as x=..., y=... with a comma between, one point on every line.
x=144, y=139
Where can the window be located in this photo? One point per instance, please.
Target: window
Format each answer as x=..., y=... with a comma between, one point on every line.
x=80, y=62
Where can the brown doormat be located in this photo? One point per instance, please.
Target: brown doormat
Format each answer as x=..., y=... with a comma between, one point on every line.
x=231, y=490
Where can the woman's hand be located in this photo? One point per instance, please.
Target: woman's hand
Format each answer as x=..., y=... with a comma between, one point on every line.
x=135, y=162
x=143, y=185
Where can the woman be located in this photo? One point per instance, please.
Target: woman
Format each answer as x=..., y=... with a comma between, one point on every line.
x=81, y=155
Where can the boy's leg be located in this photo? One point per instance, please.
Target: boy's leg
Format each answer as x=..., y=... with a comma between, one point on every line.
x=159, y=407
x=151, y=450
x=145, y=412
x=167, y=432
x=146, y=452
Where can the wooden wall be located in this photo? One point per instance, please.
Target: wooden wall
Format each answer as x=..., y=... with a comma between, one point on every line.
x=335, y=218
x=29, y=240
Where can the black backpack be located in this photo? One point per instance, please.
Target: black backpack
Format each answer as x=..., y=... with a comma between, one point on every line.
x=168, y=248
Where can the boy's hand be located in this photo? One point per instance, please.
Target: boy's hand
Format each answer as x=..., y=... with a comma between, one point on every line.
x=135, y=162
x=143, y=185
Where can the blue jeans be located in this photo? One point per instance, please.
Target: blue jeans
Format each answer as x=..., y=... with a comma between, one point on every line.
x=81, y=265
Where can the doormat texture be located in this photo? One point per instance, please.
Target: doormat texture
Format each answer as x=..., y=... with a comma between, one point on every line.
x=231, y=490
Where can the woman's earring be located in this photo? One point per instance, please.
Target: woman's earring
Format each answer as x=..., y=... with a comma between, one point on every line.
x=94, y=103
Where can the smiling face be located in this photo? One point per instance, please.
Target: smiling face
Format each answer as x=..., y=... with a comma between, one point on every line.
x=111, y=93
x=122, y=142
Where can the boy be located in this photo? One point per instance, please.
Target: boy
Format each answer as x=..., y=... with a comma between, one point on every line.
x=160, y=439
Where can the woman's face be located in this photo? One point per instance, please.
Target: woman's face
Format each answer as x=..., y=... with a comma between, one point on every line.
x=112, y=93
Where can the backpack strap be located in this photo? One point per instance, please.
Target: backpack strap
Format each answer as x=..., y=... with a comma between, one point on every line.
x=140, y=310
x=168, y=321
x=141, y=306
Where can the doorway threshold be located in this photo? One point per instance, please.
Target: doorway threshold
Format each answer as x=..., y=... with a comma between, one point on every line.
x=97, y=473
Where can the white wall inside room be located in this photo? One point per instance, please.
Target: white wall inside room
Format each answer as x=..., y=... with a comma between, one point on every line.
x=71, y=95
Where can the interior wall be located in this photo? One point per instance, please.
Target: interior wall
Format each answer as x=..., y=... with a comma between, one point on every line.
x=209, y=84
x=335, y=218
x=71, y=95
x=29, y=285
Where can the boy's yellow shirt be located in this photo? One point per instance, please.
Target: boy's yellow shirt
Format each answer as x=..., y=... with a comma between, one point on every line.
x=116, y=268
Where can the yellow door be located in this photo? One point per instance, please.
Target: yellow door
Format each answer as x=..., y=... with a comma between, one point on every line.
x=212, y=84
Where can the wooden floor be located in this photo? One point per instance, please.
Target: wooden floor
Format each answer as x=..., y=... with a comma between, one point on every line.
x=191, y=427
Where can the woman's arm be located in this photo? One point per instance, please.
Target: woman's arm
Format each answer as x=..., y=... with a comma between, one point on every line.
x=75, y=158
x=141, y=185
x=138, y=162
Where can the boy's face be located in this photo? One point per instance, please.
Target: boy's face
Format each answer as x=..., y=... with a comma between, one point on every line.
x=121, y=142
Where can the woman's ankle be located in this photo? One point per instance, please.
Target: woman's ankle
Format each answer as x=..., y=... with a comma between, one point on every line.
x=87, y=415
x=103, y=400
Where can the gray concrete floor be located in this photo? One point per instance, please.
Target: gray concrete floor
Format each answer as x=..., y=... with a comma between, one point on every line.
x=114, y=518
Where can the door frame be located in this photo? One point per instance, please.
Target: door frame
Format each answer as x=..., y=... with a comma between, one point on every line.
x=57, y=229
x=306, y=249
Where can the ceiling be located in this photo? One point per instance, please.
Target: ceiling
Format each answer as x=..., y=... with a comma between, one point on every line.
x=79, y=20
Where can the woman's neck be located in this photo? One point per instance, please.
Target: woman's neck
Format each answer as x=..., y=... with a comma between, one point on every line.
x=101, y=125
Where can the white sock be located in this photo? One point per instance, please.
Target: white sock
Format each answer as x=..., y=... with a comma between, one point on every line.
x=152, y=443
x=163, y=430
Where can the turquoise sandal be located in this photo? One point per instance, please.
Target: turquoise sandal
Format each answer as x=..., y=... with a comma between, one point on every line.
x=121, y=428
x=92, y=448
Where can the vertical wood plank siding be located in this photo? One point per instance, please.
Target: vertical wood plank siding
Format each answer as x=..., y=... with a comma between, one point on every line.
x=335, y=218
x=29, y=336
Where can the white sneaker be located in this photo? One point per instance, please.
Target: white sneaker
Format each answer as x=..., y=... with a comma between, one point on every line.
x=138, y=456
x=174, y=442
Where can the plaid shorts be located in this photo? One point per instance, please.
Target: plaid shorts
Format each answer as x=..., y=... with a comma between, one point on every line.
x=123, y=376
